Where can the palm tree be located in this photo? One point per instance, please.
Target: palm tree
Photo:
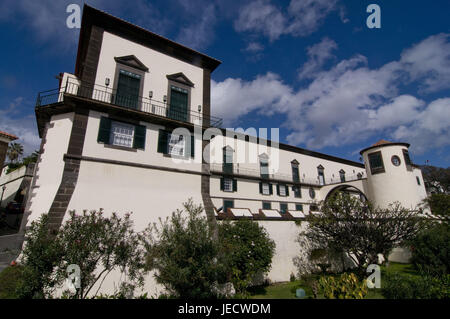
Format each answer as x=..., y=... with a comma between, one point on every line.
x=15, y=150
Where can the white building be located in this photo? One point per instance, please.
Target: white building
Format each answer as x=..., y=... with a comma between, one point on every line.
x=107, y=143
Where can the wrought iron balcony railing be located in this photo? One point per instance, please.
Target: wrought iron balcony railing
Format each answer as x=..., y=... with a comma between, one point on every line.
x=107, y=95
x=242, y=170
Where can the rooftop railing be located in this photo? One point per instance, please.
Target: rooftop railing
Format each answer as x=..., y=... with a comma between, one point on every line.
x=240, y=170
x=107, y=95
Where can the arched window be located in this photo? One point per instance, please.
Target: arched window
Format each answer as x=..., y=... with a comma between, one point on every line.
x=342, y=175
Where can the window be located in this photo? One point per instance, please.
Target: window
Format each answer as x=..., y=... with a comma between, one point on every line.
x=175, y=144
x=295, y=172
x=314, y=208
x=227, y=204
x=407, y=160
x=228, y=184
x=376, y=163
x=312, y=193
x=178, y=109
x=418, y=180
x=299, y=207
x=283, y=208
x=395, y=160
x=127, y=91
x=282, y=190
x=266, y=205
x=265, y=188
x=121, y=134
x=264, y=166
x=297, y=191
x=342, y=175
x=321, y=175
x=227, y=160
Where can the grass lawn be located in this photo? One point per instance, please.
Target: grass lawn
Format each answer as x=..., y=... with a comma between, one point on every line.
x=286, y=290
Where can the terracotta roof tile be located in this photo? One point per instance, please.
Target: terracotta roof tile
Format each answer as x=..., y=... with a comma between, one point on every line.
x=381, y=142
x=7, y=135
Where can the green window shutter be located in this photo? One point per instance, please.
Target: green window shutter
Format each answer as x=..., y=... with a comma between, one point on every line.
x=192, y=146
x=234, y=185
x=271, y=189
x=278, y=190
x=104, y=131
x=139, y=136
x=221, y=183
x=260, y=187
x=287, y=190
x=162, y=141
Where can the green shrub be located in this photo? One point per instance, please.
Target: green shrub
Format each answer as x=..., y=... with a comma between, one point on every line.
x=401, y=286
x=247, y=250
x=292, y=277
x=9, y=281
x=185, y=255
x=97, y=244
x=430, y=250
x=347, y=286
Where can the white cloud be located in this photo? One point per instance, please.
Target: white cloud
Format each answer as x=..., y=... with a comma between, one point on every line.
x=254, y=47
x=429, y=60
x=350, y=102
x=301, y=18
x=199, y=33
x=233, y=98
x=430, y=129
x=318, y=54
x=261, y=16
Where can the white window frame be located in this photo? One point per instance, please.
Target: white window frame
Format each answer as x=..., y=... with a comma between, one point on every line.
x=176, y=145
x=122, y=134
x=227, y=184
x=266, y=191
x=282, y=190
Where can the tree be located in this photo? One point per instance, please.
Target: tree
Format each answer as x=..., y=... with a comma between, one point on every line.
x=186, y=258
x=15, y=151
x=248, y=251
x=437, y=179
x=359, y=229
x=32, y=158
x=439, y=204
x=100, y=245
x=40, y=256
x=430, y=249
x=97, y=244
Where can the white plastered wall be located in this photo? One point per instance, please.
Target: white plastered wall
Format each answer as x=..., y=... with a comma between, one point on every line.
x=12, y=183
x=160, y=65
x=51, y=165
x=148, y=156
x=396, y=183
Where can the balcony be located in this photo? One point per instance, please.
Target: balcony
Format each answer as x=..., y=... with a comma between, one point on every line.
x=104, y=94
x=244, y=171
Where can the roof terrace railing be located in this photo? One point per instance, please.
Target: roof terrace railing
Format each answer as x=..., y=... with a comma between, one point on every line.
x=240, y=170
x=107, y=95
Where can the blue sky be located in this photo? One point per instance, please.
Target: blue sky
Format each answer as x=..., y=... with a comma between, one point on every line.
x=310, y=67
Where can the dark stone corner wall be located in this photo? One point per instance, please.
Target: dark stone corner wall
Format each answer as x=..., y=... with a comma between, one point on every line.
x=205, y=179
